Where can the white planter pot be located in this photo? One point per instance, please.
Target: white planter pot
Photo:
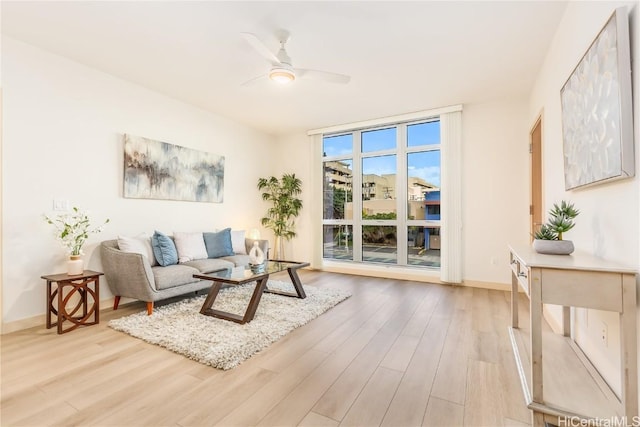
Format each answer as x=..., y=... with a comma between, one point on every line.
x=553, y=247
x=75, y=265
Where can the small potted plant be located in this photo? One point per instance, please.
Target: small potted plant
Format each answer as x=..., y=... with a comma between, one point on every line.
x=72, y=229
x=548, y=239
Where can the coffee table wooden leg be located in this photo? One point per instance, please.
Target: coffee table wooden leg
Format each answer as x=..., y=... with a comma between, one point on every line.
x=297, y=284
x=211, y=297
x=249, y=314
x=255, y=300
x=293, y=274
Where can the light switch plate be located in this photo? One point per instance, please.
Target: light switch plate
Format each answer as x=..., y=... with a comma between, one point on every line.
x=60, y=205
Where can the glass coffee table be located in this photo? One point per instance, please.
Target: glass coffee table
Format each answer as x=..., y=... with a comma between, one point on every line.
x=242, y=275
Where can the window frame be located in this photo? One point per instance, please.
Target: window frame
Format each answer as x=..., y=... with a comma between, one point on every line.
x=402, y=222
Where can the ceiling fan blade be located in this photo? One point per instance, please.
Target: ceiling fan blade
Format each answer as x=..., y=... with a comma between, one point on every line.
x=254, y=80
x=260, y=47
x=322, y=75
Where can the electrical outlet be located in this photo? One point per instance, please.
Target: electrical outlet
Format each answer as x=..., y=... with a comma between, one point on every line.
x=604, y=334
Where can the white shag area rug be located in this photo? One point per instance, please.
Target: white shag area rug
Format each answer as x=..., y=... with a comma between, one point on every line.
x=220, y=343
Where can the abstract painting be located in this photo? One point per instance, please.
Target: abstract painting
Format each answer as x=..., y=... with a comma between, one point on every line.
x=597, y=117
x=159, y=170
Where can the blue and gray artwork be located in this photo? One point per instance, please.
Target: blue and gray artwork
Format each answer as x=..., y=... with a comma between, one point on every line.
x=158, y=170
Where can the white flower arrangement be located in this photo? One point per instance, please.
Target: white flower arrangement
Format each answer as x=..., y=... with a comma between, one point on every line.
x=73, y=229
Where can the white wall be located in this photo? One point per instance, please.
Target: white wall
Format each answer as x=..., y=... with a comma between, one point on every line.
x=62, y=138
x=608, y=222
x=495, y=195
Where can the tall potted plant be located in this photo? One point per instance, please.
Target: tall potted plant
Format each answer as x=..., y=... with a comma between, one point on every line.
x=285, y=207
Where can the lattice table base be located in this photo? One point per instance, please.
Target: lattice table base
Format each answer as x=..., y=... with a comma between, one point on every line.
x=71, y=300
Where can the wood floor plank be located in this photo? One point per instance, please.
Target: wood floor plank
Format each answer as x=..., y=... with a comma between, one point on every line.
x=293, y=408
x=397, y=353
x=484, y=405
x=442, y=413
x=400, y=353
x=372, y=403
x=451, y=379
x=410, y=401
x=337, y=400
x=252, y=410
x=316, y=420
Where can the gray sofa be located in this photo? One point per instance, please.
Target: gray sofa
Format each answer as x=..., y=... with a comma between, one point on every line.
x=131, y=275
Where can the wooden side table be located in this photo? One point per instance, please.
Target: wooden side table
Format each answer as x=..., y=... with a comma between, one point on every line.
x=58, y=302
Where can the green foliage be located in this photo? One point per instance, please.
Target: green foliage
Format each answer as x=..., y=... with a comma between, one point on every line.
x=560, y=221
x=379, y=234
x=73, y=229
x=281, y=193
x=545, y=233
x=380, y=215
x=335, y=201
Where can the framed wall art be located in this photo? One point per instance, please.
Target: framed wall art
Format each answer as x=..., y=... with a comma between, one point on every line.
x=159, y=170
x=597, y=119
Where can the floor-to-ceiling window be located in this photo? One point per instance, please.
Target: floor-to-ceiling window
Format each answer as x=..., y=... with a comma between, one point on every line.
x=381, y=194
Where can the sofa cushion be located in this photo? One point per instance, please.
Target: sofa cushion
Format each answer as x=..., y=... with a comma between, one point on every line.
x=164, y=249
x=237, y=241
x=209, y=265
x=173, y=275
x=218, y=244
x=140, y=244
x=237, y=260
x=190, y=246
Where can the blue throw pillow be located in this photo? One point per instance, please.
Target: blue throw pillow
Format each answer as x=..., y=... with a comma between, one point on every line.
x=218, y=244
x=164, y=249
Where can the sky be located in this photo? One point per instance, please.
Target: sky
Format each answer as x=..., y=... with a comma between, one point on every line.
x=425, y=165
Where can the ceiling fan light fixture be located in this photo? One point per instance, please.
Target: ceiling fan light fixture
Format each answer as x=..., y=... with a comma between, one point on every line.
x=282, y=75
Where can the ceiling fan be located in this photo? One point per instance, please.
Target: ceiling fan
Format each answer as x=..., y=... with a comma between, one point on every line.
x=282, y=70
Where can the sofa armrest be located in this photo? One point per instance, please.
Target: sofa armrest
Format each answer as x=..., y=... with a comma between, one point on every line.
x=128, y=274
x=262, y=244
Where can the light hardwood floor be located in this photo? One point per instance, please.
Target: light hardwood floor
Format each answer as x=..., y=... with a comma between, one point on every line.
x=396, y=353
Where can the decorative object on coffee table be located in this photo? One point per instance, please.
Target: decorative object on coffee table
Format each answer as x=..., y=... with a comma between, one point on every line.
x=72, y=229
x=75, y=306
x=285, y=208
x=548, y=239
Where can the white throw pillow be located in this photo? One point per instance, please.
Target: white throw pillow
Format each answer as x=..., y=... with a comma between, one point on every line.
x=190, y=246
x=140, y=244
x=237, y=242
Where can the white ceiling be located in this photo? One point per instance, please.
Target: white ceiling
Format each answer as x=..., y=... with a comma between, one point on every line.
x=402, y=56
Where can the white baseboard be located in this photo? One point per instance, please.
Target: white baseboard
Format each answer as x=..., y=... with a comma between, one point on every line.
x=41, y=319
x=388, y=272
x=374, y=271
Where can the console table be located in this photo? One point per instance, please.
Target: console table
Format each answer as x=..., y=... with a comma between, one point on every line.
x=573, y=389
x=58, y=302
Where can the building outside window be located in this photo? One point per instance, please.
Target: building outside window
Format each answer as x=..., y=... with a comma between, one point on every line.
x=381, y=188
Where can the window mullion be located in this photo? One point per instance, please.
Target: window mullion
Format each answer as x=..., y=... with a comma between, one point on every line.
x=401, y=191
x=357, y=196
